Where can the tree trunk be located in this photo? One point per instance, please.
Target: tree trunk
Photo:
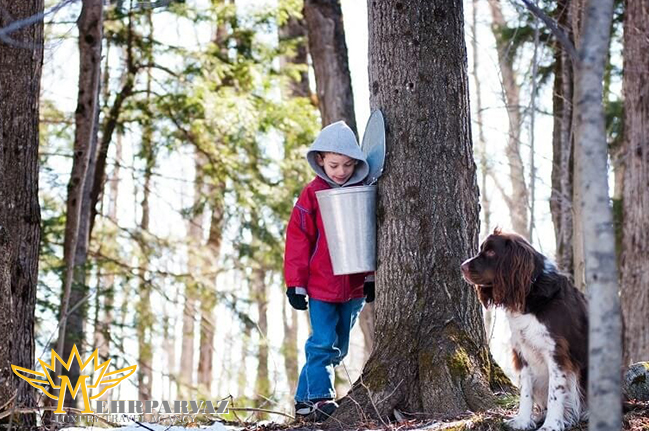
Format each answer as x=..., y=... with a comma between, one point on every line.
x=430, y=354
x=482, y=142
x=605, y=348
x=106, y=300
x=262, y=385
x=110, y=121
x=74, y=290
x=208, y=284
x=329, y=54
x=294, y=31
x=562, y=148
x=635, y=243
x=518, y=202
x=145, y=318
x=194, y=266
x=208, y=298
x=577, y=12
x=20, y=75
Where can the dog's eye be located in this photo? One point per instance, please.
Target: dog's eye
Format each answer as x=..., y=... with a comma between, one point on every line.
x=490, y=253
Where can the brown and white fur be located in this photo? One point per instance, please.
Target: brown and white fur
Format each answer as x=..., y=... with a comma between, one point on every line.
x=549, y=324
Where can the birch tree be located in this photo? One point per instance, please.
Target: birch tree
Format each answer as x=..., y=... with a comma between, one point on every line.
x=605, y=348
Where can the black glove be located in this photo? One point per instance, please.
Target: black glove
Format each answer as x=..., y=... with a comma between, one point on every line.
x=368, y=290
x=297, y=300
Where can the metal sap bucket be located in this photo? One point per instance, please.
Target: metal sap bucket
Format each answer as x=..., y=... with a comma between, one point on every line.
x=349, y=217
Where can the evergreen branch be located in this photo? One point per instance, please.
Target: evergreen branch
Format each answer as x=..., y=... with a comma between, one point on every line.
x=554, y=28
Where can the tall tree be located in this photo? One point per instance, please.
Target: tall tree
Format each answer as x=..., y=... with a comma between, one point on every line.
x=195, y=229
x=635, y=236
x=144, y=316
x=562, y=146
x=21, y=61
x=260, y=296
x=90, y=25
x=328, y=51
x=577, y=14
x=293, y=32
x=518, y=201
x=430, y=353
x=605, y=347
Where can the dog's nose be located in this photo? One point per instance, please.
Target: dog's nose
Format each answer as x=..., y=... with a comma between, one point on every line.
x=465, y=266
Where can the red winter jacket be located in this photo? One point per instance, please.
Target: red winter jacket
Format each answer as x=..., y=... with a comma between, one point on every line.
x=306, y=256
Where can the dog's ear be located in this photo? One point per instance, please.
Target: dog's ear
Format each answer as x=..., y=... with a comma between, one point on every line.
x=513, y=275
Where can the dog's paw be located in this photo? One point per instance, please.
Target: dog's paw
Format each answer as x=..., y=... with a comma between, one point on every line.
x=555, y=425
x=521, y=423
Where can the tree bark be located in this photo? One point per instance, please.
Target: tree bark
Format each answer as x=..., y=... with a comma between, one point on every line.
x=518, y=202
x=145, y=318
x=635, y=242
x=106, y=300
x=330, y=63
x=208, y=298
x=482, y=142
x=20, y=74
x=577, y=13
x=605, y=348
x=110, y=121
x=71, y=326
x=562, y=147
x=294, y=31
x=430, y=354
x=262, y=384
x=195, y=228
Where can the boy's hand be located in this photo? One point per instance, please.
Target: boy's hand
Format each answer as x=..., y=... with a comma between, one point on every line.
x=297, y=300
x=368, y=290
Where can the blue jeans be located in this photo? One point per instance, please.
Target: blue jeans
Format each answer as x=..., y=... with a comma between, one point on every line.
x=328, y=344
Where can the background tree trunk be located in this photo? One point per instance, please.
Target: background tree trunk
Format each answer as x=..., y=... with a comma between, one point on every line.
x=20, y=75
x=329, y=54
x=194, y=266
x=518, y=202
x=635, y=242
x=74, y=290
x=562, y=147
x=145, y=318
x=605, y=348
x=106, y=296
x=430, y=351
x=262, y=384
x=295, y=31
x=577, y=13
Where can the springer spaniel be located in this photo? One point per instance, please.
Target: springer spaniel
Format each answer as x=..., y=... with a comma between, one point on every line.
x=549, y=324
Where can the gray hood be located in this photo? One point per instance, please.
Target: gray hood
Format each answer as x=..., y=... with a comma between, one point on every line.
x=338, y=138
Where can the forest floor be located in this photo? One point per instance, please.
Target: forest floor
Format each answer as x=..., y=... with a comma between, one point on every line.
x=636, y=418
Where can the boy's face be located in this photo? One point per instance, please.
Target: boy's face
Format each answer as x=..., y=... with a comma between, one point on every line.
x=337, y=167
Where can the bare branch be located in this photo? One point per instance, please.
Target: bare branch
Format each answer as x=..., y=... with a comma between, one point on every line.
x=17, y=25
x=554, y=28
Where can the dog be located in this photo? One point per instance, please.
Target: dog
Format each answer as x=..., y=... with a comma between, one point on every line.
x=548, y=318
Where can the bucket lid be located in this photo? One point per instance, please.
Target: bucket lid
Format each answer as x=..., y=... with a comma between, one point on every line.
x=373, y=146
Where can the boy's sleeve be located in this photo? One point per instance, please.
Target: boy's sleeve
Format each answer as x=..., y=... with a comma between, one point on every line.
x=300, y=241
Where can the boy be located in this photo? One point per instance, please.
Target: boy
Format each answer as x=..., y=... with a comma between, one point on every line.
x=336, y=301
